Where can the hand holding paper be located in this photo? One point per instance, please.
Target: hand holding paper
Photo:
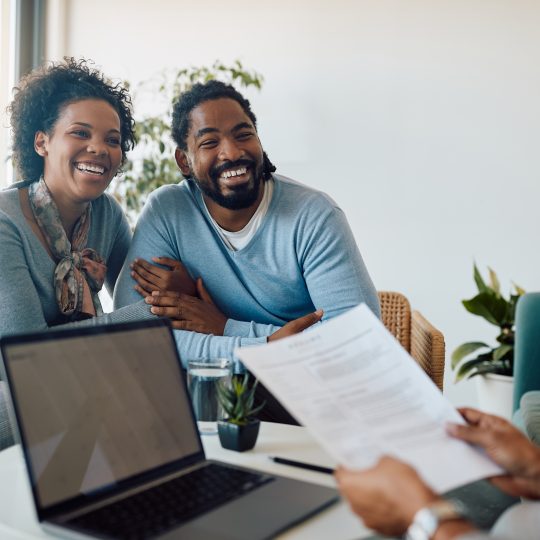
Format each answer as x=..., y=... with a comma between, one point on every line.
x=362, y=396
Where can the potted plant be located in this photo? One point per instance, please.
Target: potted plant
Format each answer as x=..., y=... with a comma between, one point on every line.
x=239, y=430
x=493, y=366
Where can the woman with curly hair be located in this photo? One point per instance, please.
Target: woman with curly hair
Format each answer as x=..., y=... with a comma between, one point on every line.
x=62, y=236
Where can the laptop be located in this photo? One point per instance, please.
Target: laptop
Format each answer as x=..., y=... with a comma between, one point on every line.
x=112, y=448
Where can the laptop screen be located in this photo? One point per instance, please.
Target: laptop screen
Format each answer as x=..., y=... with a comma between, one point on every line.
x=97, y=408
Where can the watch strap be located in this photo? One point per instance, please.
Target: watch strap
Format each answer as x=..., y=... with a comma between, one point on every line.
x=427, y=520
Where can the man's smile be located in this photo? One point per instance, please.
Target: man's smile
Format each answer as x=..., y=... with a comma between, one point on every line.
x=233, y=175
x=232, y=178
x=232, y=169
x=237, y=172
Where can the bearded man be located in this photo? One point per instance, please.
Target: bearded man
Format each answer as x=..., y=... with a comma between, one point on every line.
x=269, y=250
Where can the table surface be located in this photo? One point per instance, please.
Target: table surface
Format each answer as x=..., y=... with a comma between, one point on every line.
x=18, y=520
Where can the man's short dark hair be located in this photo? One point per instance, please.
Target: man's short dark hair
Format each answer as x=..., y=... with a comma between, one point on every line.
x=209, y=91
x=41, y=97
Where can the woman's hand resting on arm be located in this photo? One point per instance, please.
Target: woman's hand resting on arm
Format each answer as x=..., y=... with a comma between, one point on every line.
x=150, y=278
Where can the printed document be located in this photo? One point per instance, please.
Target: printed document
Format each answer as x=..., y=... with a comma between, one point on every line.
x=362, y=396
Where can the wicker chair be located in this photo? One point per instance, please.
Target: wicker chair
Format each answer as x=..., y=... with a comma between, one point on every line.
x=417, y=336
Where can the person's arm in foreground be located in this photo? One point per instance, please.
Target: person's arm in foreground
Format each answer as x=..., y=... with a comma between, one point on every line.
x=388, y=496
x=506, y=446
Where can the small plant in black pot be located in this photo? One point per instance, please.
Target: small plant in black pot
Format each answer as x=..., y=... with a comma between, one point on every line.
x=240, y=428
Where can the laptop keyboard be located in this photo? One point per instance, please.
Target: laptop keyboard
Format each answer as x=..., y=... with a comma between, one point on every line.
x=165, y=506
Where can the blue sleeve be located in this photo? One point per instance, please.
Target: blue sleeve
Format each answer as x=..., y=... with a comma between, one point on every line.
x=249, y=329
x=333, y=269
x=154, y=237
x=193, y=346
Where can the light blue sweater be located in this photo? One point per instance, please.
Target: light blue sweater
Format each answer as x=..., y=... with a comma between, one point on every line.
x=302, y=257
x=27, y=296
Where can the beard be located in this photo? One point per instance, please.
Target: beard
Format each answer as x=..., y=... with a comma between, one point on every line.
x=242, y=196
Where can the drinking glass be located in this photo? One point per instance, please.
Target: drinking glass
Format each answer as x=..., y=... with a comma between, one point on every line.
x=203, y=378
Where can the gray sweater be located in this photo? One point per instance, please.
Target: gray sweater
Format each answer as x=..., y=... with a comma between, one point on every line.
x=27, y=296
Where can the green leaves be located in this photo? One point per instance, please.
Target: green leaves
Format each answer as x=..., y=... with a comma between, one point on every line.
x=488, y=305
x=491, y=305
x=466, y=368
x=502, y=352
x=482, y=287
x=519, y=290
x=238, y=400
x=494, y=281
x=464, y=350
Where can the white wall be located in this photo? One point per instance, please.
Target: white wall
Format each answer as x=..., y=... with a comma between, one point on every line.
x=420, y=117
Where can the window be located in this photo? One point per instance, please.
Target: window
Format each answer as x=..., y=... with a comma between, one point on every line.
x=22, y=24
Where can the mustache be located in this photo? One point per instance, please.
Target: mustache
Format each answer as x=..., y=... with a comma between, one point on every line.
x=216, y=172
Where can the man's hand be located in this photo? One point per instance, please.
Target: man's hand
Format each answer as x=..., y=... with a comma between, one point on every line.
x=150, y=277
x=507, y=447
x=297, y=326
x=386, y=496
x=188, y=312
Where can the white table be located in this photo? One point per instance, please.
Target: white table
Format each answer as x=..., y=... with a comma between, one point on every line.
x=18, y=520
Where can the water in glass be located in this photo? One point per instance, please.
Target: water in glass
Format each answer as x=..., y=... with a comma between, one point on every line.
x=203, y=379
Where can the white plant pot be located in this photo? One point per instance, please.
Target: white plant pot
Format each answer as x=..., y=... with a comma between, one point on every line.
x=495, y=394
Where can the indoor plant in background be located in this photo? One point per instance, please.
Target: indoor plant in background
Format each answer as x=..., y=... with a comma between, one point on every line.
x=492, y=366
x=240, y=428
x=151, y=164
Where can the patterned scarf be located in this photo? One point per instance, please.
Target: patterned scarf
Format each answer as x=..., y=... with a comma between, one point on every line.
x=80, y=272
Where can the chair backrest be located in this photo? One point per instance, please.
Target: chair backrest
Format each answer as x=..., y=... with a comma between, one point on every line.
x=415, y=333
x=427, y=347
x=527, y=346
x=396, y=316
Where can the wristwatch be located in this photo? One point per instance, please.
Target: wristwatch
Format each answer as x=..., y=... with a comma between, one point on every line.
x=427, y=520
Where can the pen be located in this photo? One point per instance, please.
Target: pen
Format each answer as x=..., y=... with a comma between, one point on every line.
x=301, y=465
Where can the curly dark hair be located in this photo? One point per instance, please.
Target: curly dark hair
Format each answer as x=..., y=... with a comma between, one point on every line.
x=40, y=98
x=209, y=91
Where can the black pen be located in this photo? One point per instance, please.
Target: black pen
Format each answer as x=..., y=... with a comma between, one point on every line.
x=301, y=465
